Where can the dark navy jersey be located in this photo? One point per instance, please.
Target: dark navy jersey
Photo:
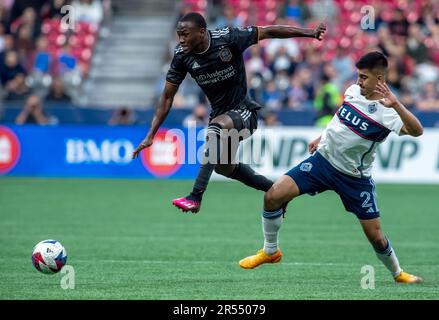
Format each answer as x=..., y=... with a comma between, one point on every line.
x=219, y=70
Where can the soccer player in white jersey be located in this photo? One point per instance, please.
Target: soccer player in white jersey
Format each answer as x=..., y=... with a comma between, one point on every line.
x=342, y=160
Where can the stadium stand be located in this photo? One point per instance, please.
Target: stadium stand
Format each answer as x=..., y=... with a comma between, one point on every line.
x=97, y=68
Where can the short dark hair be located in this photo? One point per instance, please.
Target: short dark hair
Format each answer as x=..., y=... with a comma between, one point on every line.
x=196, y=18
x=374, y=60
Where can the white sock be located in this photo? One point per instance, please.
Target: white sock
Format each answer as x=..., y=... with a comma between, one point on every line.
x=271, y=223
x=389, y=259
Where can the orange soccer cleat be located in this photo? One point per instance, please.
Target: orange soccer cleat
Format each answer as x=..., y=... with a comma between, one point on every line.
x=405, y=277
x=260, y=258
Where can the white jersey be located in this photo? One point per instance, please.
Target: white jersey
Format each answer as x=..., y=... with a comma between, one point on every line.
x=350, y=140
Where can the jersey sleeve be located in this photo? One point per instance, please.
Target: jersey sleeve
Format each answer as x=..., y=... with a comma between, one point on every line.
x=352, y=92
x=392, y=120
x=177, y=71
x=244, y=37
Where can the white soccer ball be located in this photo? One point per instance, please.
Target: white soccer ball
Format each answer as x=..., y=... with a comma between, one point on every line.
x=49, y=256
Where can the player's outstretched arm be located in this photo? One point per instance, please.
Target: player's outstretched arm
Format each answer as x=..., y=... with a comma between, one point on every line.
x=283, y=32
x=162, y=110
x=412, y=126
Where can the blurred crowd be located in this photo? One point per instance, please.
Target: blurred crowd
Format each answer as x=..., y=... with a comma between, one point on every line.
x=43, y=56
x=304, y=74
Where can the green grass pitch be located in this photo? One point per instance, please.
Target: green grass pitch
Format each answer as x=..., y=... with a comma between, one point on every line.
x=126, y=241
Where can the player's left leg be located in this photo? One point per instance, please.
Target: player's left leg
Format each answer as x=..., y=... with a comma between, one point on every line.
x=359, y=197
x=385, y=252
x=212, y=156
x=283, y=191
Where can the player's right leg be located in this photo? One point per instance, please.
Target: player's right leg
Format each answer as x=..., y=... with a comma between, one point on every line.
x=384, y=251
x=284, y=190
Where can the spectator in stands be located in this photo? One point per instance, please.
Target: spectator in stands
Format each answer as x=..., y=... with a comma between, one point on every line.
x=24, y=44
x=255, y=63
x=297, y=96
x=90, y=11
x=281, y=61
x=57, y=92
x=407, y=99
x=199, y=117
x=8, y=45
x=68, y=69
x=327, y=100
x=43, y=59
x=269, y=120
x=314, y=64
x=395, y=72
x=307, y=82
x=399, y=24
x=29, y=18
x=296, y=11
x=429, y=98
x=272, y=96
x=33, y=113
x=40, y=75
x=324, y=10
x=54, y=9
x=256, y=87
x=228, y=19
x=20, y=6
x=344, y=66
x=3, y=15
x=426, y=72
x=2, y=37
x=12, y=76
x=123, y=116
x=272, y=46
x=16, y=89
x=415, y=46
x=434, y=50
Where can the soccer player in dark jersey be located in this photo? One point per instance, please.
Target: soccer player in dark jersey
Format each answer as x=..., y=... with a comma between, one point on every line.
x=214, y=59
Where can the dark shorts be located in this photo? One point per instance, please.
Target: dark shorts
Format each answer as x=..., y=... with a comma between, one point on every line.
x=245, y=123
x=316, y=175
x=244, y=119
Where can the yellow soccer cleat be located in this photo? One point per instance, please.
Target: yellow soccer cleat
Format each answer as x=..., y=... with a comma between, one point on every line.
x=405, y=277
x=260, y=258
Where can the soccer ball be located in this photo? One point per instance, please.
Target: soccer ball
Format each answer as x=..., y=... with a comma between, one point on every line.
x=49, y=256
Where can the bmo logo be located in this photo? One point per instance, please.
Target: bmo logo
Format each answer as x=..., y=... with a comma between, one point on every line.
x=166, y=155
x=9, y=149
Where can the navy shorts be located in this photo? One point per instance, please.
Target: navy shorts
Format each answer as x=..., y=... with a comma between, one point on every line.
x=316, y=175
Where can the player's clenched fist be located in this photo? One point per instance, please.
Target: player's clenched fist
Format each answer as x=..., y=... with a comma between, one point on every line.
x=320, y=31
